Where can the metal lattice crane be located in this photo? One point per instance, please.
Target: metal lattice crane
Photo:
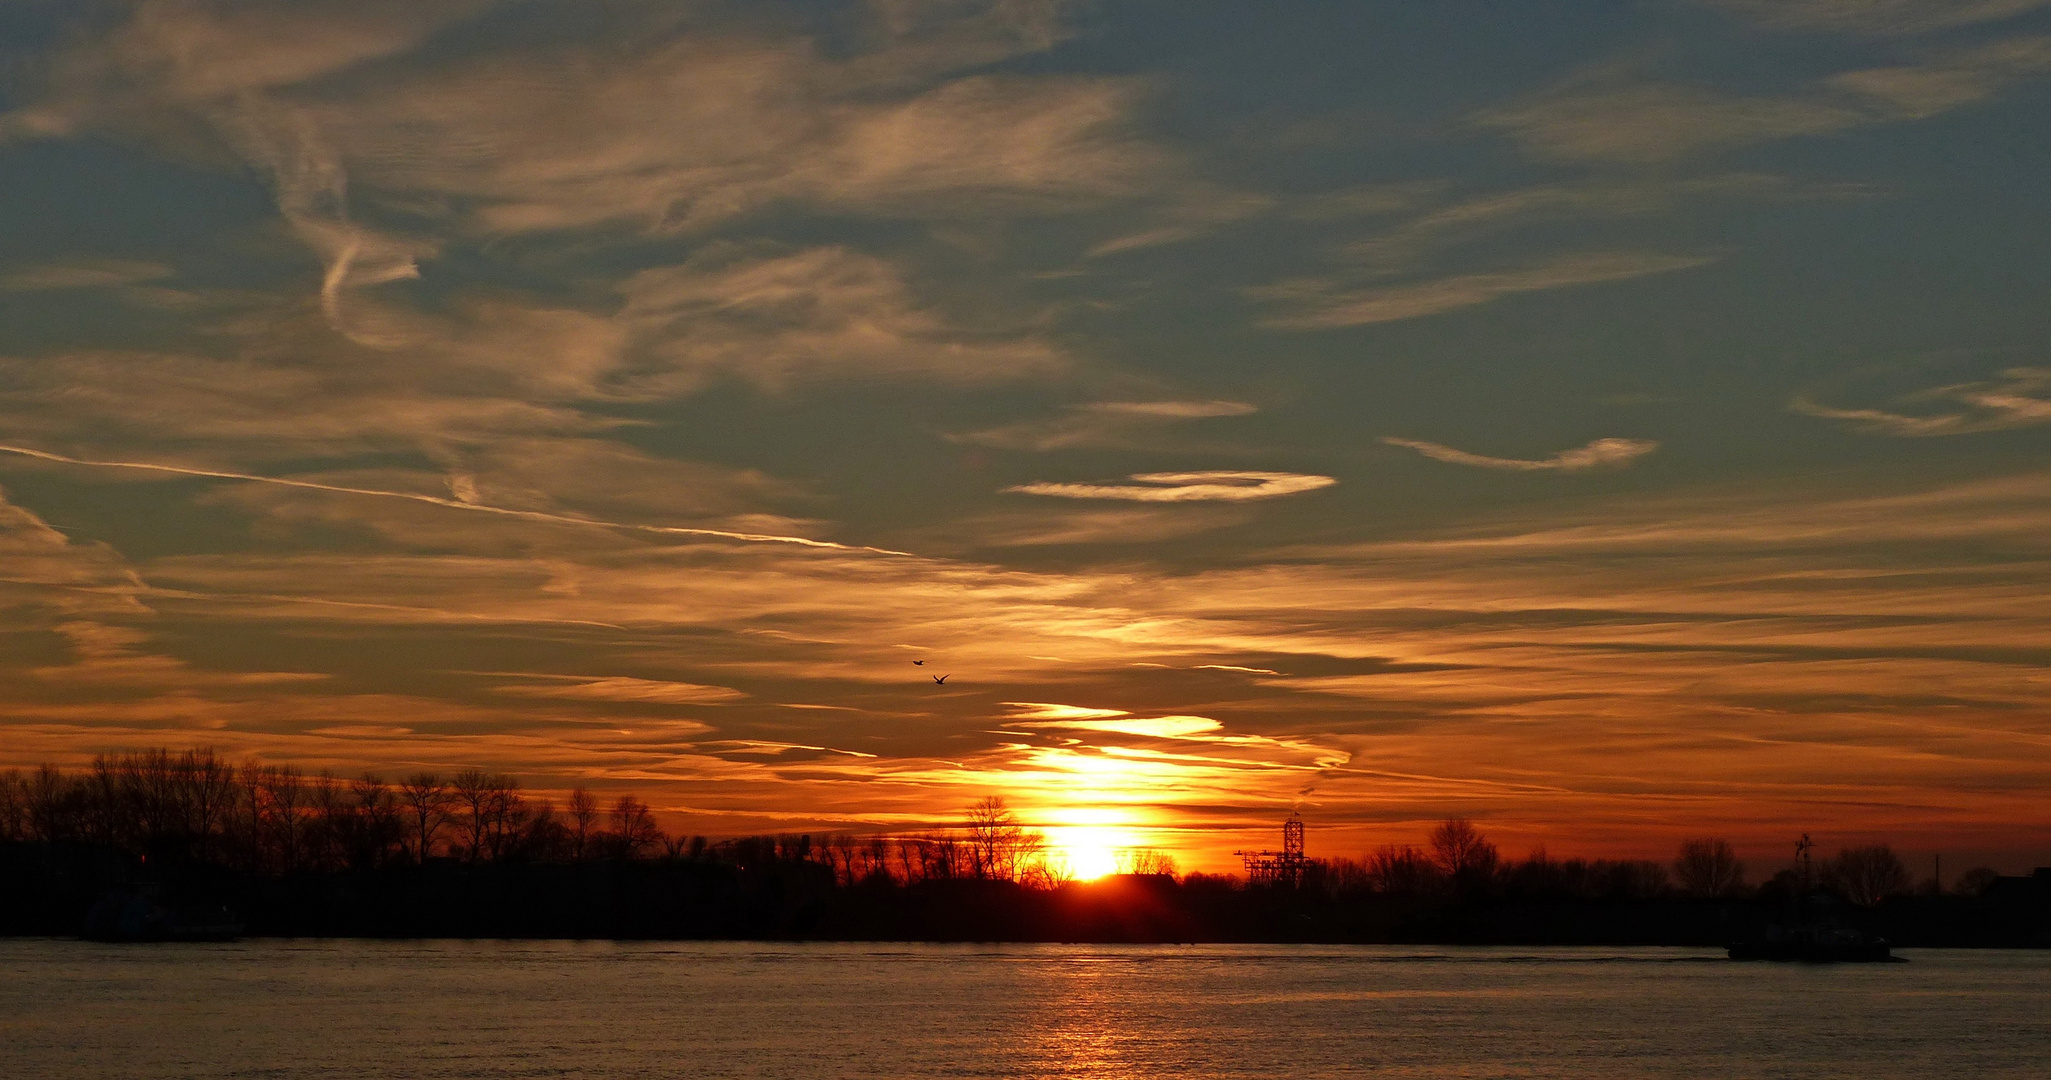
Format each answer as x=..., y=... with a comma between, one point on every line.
x=1279, y=869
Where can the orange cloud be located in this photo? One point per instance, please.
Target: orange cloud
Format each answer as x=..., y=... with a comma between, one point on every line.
x=1217, y=485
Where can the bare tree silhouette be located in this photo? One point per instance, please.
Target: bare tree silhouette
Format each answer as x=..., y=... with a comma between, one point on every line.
x=842, y=850
x=633, y=826
x=428, y=801
x=1401, y=871
x=1867, y=875
x=1462, y=853
x=543, y=836
x=1146, y=860
x=1975, y=881
x=328, y=806
x=285, y=804
x=583, y=815
x=1709, y=867
x=14, y=803
x=911, y=863
x=473, y=793
x=378, y=824
x=876, y=859
x=214, y=795
x=506, y=815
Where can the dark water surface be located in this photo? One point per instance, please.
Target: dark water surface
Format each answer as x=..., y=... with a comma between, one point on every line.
x=362, y=1009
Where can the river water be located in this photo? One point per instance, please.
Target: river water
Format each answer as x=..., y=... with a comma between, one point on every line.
x=362, y=1009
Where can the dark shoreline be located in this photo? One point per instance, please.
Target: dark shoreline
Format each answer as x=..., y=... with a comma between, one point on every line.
x=1711, y=954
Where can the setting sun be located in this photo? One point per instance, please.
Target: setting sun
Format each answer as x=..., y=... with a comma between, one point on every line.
x=1089, y=852
x=1091, y=842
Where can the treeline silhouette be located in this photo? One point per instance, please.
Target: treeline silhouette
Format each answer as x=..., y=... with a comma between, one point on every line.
x=280, y=850
x=1458, y=860
x=260, y=819
x=278, y=819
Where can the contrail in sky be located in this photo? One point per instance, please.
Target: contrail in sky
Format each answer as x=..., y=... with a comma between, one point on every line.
x=454, y=504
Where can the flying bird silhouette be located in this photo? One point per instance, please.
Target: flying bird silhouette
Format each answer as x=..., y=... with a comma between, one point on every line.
x=942, y=679
x=918, y=663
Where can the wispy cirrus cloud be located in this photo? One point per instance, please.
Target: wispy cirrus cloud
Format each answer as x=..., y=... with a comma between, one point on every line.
x=1417, y=234
x=1101, y=424
x=378, y=159
x=774, y=749
x=1169, y=410
x=1042, y=710
x=453, y=502
x=705, y=130
x=391, y=482
x=82, y=274
x=42, y=567
x=227, y=66
x=1599, y=454
x=1041, y=526
x=1158, y=727
x=2020, y=398
x=1324, y=304
x=172, y=54
x=1624, y=119
x=1585, y=666
x=1446, y=222
x=1949, y=81
x=1198, y=210
x=486, y=374
x=251, y=406
x=1875, y=17
x=777, y=318
x=1218, y=485
x=1154, y=739
x=692, y=127
x=310, y=184
x=1616, y=115
x=618, y=688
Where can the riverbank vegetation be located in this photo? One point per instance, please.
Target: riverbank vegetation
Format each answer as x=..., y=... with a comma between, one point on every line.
x=471, y=853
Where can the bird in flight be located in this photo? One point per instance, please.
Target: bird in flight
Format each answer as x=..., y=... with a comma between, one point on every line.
x=942, y=679
x=918, y=663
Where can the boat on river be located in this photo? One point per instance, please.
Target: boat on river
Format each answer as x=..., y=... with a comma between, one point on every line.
x=137, y=913
x=1812, y=933
x=1815, y=944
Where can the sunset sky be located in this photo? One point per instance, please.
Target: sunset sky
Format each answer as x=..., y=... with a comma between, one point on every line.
x=1610, y=421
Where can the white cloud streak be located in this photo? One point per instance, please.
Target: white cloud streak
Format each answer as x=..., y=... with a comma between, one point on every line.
x=1042, y=710
x=1211, y=486
x=1171, y=410
x=1599, y=454
x=450, y=503
x=1159, y=727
